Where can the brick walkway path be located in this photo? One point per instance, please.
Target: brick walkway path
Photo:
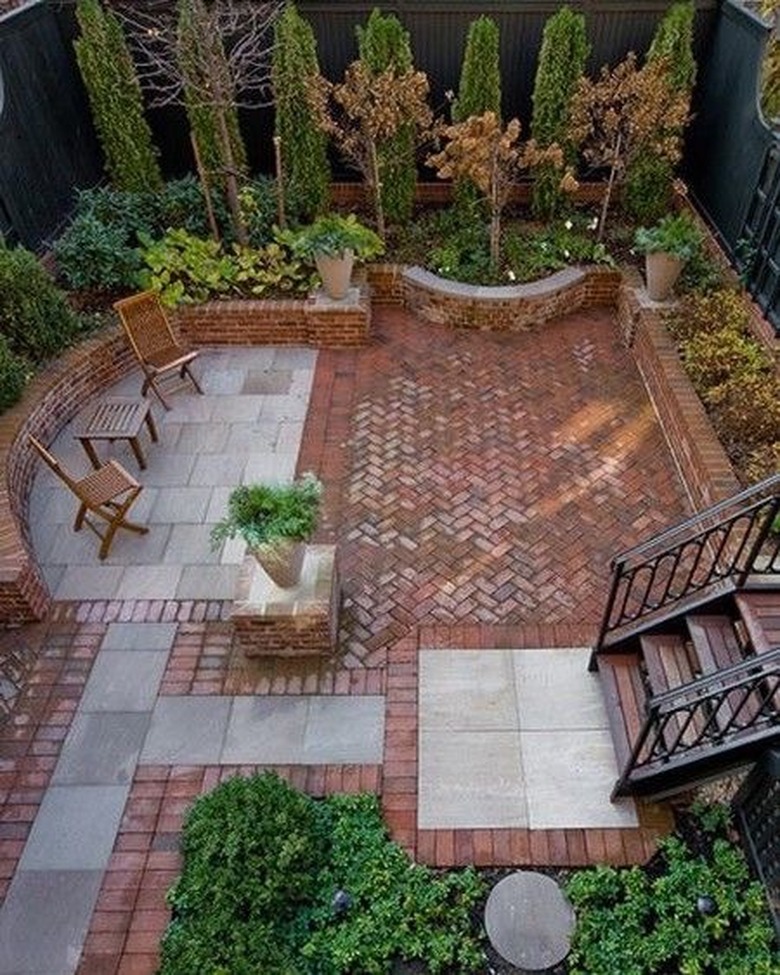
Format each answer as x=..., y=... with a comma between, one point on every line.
x=485, y=478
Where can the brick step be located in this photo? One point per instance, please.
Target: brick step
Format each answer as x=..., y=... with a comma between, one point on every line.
x=624, y=699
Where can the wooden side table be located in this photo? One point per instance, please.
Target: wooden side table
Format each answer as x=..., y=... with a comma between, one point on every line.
x=117, y=418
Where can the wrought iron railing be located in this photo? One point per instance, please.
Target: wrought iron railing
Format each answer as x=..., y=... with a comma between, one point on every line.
x=722, y=711
x=728, y=541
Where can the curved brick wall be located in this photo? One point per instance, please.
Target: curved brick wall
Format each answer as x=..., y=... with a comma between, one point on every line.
x=510, y=308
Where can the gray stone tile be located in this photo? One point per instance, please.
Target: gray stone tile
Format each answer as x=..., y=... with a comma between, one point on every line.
x=75, y=828
x=290, y=433
x=569, y=779
x=208, y=582
x=471, y=780
x=45, y=919
x=249, y=438
x=222, y=380
x=345, y=730
x=217, y=470
x=69, y=547
x=467, y=689
x=190, y=545
x=555, y=690
x=139, y=636
x=237, y=409
x=202, y=438
x=267, y=382
x=168, y=469
x=101, y=749
x=133, y=549
x=187, y=731
x=293, y=357
x=124, y=680
x=180, y=504
x=148, y=582
x=275, y=468
x=90, y=582
x=191, y=408
x=266, y=730
x=52, y=575
x=217, y=506
x=52, y=506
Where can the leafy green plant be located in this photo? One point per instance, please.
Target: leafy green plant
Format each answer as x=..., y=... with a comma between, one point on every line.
x=261, y=513
x=711, y=358
x=745, y=409
x=673, y=44
x=384, y=44
x=674, y=234
x=183, y=268
x=647, y=189
x=538, y=252
x=91, y=254
x=115, y=98
x=479, y=89
x=270, y=270
x=262, y=864
x=333, y=234
x=306, y=171
x=723, y=309
x=14, y=372
x=647, y=922
x=562, y=58
x=34, y=316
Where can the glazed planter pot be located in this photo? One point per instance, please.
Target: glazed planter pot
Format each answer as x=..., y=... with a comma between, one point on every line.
x=661, y=272
x=282, y=560
x=336, y=273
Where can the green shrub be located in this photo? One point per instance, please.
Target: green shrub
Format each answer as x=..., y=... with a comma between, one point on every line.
x=383, y=43
x=701, y=274
x=673, y=41
x=262, y=864
x=713, y=312
x=180, y=203
x=14, y=372
x=646, y=922
x=712, y=358
x=303, y=145
x=257, y=199
x=745, y=408
x=479, y=90
x=91, y=254
x=115, y=98
x=647, y=190
x=34, y=315
x=534, y=254
x=562, y=58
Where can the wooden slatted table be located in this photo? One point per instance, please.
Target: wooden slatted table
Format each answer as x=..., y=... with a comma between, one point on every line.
x=117, y=418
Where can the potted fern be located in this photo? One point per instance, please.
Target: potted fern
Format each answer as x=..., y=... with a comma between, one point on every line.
x=333, y=243
x=275, y=521
x=667, y=246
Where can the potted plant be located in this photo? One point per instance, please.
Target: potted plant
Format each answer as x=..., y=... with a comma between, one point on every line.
x=275, y=521
x=667, y=246
x=333, y=242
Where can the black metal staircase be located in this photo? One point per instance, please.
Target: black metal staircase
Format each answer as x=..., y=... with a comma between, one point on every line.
x=689, y=648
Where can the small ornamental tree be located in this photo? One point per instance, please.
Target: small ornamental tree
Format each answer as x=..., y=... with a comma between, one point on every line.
x=562, y=60
x=648, y=183
x=365, y=112
x=490, y=157
x=115, y=98
x=383, y=44
x=302, y=143
x=625, y=114
x=770, y=74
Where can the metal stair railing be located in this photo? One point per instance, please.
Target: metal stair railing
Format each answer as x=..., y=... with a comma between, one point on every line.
x=722, y=709
x=726, y=542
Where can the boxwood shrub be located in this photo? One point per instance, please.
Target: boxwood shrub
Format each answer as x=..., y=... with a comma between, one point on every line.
x=263, y=864
x=14, y=371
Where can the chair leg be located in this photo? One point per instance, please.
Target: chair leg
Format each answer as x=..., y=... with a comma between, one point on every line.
x=80, y=515
x=185, y=369
x=151, y=384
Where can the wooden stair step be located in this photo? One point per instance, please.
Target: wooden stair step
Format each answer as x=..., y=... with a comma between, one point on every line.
x=760, y=612
x=717, y=647
x=624, y=698
x=668, y=666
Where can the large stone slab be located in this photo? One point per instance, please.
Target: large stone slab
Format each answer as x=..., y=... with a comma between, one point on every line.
x=124, y=680
x=187, y=731
x=467, y=689
x=101, y=749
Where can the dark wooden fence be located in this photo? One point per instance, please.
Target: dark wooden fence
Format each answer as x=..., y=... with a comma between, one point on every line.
x=47, y=143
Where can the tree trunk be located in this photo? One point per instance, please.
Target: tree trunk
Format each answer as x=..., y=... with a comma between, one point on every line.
x=495, y=216
x=610, y=184
x=204, y=183
x=376, y=180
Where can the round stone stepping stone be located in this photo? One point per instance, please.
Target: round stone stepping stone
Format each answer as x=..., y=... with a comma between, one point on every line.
x=529, y=921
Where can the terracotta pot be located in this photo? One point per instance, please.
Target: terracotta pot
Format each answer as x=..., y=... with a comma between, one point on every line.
x=661, y=271
x=282, y=560
x=336, y=273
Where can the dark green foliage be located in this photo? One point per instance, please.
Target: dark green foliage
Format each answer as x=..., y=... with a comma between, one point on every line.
x=13, y=375
x=94, y=255
x=261, y=513
x=673, y=41
x=257, y=199
x=34, y=315
x=115, y=97
x=646, y=922
x=479, y=90
x=647, y=191
x=562, y=58
x=383, y=43
x=305, y=166
x=208, y=92
x=262, y=865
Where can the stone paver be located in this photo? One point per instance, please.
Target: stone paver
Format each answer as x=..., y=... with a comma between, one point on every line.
x=187, y=730
x=101, y=749
x=124, y=680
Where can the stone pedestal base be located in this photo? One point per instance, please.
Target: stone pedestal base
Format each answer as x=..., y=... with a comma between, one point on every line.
x=298, y=622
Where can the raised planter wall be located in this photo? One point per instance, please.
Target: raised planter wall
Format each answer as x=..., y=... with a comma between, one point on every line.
x=507, y=309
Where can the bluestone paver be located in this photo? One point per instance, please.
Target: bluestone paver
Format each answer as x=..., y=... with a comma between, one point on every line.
x=190, y=544
x=174, y=504
x=347, y=730
x=555, y=690
x=139, y=636
x=266, y=729
x=187, y=731
x=207, y=582
x=95, y=581
x=467, y=689
x=148, y=582
x=101, y=749
x=124, y=680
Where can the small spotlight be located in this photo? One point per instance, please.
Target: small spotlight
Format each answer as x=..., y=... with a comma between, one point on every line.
x=705, y=904
x=341, y=903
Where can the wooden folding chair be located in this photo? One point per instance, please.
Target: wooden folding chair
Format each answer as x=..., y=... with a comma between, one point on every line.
x=107, y=493
x=151, y=337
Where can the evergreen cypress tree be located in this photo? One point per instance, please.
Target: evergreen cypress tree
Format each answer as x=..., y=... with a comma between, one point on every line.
x=562, y=58
x=384, y=43
x=479, y=90
x=115, y=98
x=306, y=172
x=647, y=194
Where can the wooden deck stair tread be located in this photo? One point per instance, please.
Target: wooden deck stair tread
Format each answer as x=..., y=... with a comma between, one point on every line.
x=717, y=647
x=760, y=612
x=668, y=666
x=624, y=696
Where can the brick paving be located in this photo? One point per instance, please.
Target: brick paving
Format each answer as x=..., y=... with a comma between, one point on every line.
x=477, y=486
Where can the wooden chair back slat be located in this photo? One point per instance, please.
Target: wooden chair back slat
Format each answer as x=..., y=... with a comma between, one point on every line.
x=146, y=324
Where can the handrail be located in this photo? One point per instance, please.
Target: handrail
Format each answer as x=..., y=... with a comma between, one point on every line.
x=728, y=706
x=723, y=542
